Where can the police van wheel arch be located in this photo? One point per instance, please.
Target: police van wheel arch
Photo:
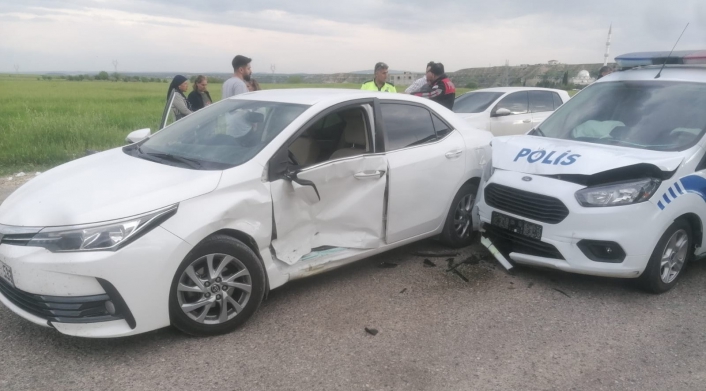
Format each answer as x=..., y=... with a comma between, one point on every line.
x=458, y=228
x=671, y=254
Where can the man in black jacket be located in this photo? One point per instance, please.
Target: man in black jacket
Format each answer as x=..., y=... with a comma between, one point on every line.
x=442, y=90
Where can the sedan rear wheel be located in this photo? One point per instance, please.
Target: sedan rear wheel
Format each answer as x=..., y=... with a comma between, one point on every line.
x=458, y=229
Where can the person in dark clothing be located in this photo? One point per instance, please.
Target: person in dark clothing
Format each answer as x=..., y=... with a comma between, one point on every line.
x=442, y=90
x=199, y=97
x=180, y=106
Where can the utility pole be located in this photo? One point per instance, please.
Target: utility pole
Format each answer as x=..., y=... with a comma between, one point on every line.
x=607, y=45
x=272, y=68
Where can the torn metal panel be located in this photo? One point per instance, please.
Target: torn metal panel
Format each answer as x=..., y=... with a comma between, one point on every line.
x=349, y=213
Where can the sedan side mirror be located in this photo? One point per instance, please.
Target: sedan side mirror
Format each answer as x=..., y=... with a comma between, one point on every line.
x=502, y=112
x=138, y=135
x=291, y=174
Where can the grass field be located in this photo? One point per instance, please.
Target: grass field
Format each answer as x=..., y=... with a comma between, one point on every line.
x=46, y=123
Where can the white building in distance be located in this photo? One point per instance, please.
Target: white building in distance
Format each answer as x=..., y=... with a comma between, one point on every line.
x=582, y=79
x=403, y=79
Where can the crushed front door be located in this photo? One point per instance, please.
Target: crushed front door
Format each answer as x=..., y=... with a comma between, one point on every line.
x=348, y=214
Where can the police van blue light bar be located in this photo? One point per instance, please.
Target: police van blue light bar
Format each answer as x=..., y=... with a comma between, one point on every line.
x=640, y=59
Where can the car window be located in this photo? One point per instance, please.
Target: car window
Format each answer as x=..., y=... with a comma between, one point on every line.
x=220, y=136
x=656, y=115
x=557, y=100
x=406, y=125
x=541, y=101
x=516, y=102
x=442, y=129
x=475, y=102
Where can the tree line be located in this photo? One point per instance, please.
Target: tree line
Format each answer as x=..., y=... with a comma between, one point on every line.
x=116, y=77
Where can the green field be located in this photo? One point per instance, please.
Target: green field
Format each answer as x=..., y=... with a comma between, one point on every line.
x=49, y=122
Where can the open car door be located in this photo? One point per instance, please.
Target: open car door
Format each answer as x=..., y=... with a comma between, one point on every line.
x=335, y=203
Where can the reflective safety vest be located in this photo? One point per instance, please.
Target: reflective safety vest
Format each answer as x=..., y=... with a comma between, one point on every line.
x=370, y=86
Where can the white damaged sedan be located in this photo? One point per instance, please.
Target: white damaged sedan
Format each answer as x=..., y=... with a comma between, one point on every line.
x=192, y=226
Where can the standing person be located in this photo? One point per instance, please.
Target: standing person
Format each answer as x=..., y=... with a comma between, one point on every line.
x=604, y=71
x=180, y=106
x=241, y=74
x=379, y=82
x=442, y=90
x=253, y=85
x=419, y=83
x=199, y=97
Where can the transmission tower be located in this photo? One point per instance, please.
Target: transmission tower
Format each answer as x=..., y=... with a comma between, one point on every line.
x=17, y=68
x=607, y=45
x=115, y=65
x=272, y=68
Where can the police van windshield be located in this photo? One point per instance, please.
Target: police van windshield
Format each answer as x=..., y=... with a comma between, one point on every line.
x=656, y=115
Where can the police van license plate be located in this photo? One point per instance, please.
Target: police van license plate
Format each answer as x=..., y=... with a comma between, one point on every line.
x=525, y=228
x=6, y=274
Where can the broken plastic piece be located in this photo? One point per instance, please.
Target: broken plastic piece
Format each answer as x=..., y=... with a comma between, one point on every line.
x=496, y=253
x=372, y=332
x=387, y=265
x=562, y=292
x=458, y=273
x=403, y=290
x=428, y=263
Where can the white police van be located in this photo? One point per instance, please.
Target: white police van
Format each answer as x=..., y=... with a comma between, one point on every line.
x=614, y=182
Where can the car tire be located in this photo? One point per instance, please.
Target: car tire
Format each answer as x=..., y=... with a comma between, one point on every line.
x=458, y=228
x=200, y=292
x=666, y=265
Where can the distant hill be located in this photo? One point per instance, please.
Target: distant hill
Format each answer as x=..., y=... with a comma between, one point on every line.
x=529, y=75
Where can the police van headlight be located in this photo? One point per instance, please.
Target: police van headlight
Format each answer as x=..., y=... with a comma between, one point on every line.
x=616, y=194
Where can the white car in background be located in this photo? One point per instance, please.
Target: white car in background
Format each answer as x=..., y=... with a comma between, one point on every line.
x=192, y=226
x=505, y=111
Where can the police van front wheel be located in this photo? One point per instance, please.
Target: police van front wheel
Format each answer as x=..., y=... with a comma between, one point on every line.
x=668, y=259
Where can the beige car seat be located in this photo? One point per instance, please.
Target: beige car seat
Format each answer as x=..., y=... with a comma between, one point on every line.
x=305, y=149
x=355, y=137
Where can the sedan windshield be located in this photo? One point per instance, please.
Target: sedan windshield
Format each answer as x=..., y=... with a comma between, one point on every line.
x=475, y=102
x=656, y=115
x=220, y=136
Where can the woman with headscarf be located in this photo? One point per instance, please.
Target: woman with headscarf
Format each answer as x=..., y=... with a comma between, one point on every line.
x=199, y=97
x=180, y=106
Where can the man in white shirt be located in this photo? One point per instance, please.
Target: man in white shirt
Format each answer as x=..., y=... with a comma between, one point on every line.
x=419, y=83
x=241, y=74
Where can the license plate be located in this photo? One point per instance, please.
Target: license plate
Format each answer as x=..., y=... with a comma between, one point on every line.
x=525, y=228
x=6, y=273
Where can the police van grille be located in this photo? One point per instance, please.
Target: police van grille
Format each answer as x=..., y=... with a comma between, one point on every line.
x=523, y=203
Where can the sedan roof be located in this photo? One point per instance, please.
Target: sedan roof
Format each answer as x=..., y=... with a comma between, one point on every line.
x=312, y=96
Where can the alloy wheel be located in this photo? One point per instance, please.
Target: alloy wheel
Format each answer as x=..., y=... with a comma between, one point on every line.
x=673, y=256
x=214, y=289
x=462, y=216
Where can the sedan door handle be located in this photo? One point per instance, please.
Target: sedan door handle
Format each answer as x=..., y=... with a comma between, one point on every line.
x=369, y=174
x=526, y=121
x=453, y=154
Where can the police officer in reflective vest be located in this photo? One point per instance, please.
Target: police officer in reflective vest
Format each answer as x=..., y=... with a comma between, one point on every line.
x=379, y=83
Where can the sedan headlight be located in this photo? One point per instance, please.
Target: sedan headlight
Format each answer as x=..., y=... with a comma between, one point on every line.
x=103, y=236
x=615, y=194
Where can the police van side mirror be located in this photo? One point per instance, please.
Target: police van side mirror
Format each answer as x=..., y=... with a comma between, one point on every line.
x=502, y=112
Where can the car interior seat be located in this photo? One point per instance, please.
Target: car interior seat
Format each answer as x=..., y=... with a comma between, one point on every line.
x=355, y=137
x=305, y=149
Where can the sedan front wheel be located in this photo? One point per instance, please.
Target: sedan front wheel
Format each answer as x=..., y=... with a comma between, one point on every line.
x=217, y=287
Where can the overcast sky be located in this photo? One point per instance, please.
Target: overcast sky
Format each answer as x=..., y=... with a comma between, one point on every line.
x=327, y=36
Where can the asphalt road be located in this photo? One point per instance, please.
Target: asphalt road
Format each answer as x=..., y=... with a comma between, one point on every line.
x=534, y=330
